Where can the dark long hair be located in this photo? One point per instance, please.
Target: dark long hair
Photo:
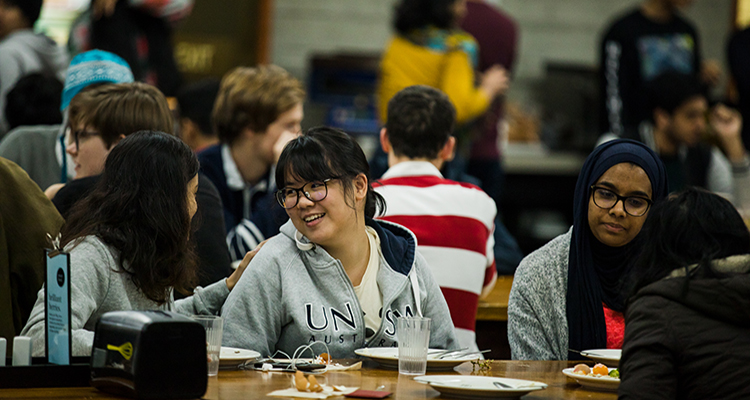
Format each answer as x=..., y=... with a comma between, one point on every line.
x=416, y=14
x=139, y=206
x=323, y=152
x=691, y=227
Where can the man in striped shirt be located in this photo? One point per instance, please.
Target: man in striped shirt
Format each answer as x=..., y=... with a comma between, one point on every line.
x=453, y=221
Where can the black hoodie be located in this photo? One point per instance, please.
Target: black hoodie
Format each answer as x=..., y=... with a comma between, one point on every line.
x=690, y=341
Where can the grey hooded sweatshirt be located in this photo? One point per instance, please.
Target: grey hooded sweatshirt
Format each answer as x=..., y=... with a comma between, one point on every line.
x=294, y=293
x=24, y=52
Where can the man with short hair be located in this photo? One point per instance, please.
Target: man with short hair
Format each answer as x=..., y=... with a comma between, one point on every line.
x=453, y=221
x=23, y=52
x=258, y=110
x=676, y=130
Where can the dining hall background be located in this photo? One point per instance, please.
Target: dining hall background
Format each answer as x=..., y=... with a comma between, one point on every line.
x=334, y=47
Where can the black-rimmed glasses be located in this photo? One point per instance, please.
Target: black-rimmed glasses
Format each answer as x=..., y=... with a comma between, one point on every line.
x=82, y=134
x=314, y=191
x=633, y=205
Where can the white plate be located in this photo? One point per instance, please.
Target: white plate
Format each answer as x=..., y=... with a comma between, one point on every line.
x=608, y=357
x=232, y=357
x=470, y=387
x=606, y=383
x=388, y=357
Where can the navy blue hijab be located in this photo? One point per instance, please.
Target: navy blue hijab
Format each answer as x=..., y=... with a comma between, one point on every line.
x=596, y=271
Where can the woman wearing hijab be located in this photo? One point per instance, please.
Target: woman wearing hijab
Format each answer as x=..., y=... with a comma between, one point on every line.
x=567, y=295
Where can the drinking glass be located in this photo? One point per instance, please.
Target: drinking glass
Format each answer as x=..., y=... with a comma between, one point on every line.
x=214, y=326
x=413, y=341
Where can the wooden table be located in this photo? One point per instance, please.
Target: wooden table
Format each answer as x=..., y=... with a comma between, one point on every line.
x=248, y=385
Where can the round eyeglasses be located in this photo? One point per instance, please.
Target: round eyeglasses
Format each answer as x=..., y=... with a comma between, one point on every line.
x=314, y=191
x=633, y=205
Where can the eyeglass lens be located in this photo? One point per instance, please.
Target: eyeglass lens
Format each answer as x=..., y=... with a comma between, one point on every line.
x=313, y=191
x=634, y=206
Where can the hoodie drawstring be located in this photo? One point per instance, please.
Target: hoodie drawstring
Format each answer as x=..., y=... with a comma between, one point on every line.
x=415, y=289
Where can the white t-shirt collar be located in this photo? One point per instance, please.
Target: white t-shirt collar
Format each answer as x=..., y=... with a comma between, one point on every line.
x=412, y=168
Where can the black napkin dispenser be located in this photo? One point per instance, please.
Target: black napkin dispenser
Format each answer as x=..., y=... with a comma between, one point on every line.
x=149, y=355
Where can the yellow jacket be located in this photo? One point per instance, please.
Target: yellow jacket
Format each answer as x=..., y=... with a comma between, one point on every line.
x=405, y=64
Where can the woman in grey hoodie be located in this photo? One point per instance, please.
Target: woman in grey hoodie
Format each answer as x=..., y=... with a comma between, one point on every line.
x=333, y=274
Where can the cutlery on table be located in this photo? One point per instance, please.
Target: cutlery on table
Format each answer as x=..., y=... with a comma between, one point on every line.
x=462, y=354
x=501, y=385
x=437, y=352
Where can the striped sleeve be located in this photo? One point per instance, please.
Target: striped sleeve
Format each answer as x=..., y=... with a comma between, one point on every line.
x=243, y=238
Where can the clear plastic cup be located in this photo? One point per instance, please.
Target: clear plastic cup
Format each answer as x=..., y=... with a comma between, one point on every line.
x=214, y=326
x=413, y=340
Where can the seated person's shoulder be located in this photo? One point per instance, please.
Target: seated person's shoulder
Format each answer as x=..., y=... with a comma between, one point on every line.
x=212, y=163
x=33, y=133
x=278, y=251
x=206, y=186
x=543, y=260
x=211, y=155
x=72, y=192
x=90, y=248
x=9, y=168
x=13, y=176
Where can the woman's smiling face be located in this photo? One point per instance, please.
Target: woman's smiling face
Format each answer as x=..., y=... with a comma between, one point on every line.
x=328, y=222
x=614, y=227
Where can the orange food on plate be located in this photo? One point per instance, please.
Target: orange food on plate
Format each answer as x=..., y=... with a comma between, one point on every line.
x=582, y=369
x=300, y=381
x=600, y=369
x=325, y=357
x=314, y=385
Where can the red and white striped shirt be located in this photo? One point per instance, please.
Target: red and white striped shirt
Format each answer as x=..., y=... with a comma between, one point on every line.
x=453, y=223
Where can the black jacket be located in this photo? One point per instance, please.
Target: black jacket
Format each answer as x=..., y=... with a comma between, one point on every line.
x=689, y=342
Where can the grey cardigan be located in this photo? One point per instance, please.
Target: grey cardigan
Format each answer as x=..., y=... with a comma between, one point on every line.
x=537, y=318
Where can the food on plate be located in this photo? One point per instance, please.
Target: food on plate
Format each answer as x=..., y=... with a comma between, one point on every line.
x=314, y=386
x=582, y=369
x=300, y=381
x=309, y=384
x=323, y=358
x=600, y=369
